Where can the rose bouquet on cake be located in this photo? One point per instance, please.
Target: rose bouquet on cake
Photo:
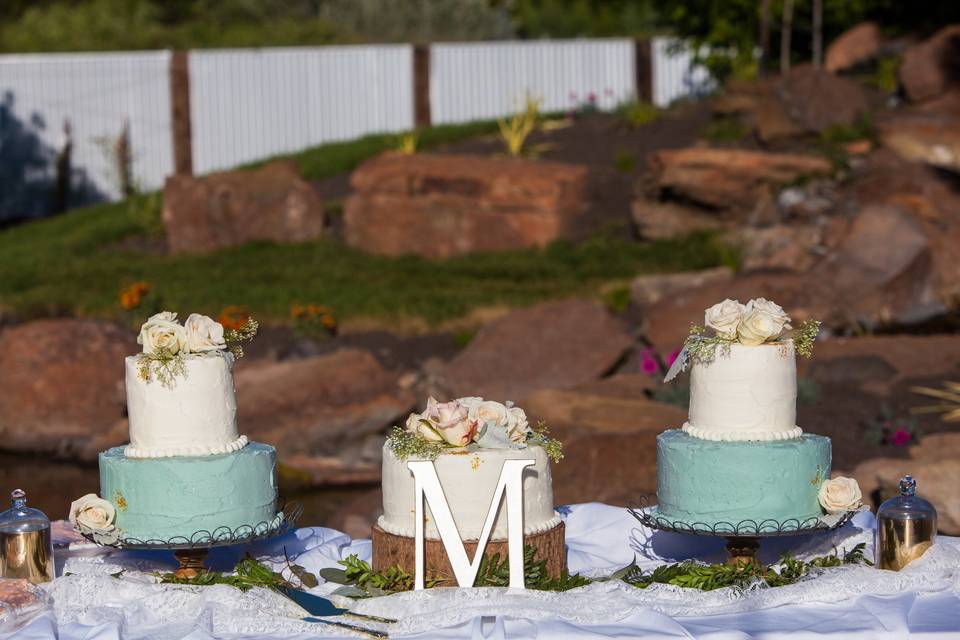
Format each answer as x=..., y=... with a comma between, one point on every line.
x=469, y=423
x=166, y=343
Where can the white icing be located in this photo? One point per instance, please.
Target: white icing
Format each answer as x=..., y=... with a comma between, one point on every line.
x=468, y=481
x=196, y=416
x=748, y=394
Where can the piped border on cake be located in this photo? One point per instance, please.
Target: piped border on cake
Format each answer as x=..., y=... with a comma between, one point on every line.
x=134, y=452
x=722, y=435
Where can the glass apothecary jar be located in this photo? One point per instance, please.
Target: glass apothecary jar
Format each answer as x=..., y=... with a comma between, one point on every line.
x=26, y=544
x=906, y=528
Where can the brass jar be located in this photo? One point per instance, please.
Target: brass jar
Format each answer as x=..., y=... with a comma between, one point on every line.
x=26, y=545
x=906, y=528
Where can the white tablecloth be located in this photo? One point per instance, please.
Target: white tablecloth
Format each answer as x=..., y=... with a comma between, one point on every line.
x=847, y=602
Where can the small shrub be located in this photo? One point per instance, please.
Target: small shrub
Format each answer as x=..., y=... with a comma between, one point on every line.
x=407, y=143
x=890, y=430
x=617, y=299
x=885, y=74
x=636, y=114
x=625, y=161
x=515, y=129
x=725, y=130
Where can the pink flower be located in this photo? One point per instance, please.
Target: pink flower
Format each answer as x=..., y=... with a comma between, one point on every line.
x=591, y=97
x=649, y=363
x=901, y=438
x=608, y=92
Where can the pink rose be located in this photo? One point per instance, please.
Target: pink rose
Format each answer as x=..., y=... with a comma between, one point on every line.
x=452, y=421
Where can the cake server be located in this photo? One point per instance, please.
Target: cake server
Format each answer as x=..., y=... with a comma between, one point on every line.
x=322, y=607
x=370, y=633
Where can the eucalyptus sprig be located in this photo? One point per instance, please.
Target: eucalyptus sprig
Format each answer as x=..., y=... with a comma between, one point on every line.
x=236, y=337
x=540, y=435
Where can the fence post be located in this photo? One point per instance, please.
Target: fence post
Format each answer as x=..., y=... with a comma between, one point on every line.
x=643, y=49
x=180, y=113
x=421, y=85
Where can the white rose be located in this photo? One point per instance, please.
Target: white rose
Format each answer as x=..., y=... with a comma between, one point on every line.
x=724, y=318
x=92, y=513
x=762, y=320
x=418, y=423
x=452, y=421
x=488, y=411
x=518, y=424
x=203, y=334
x=162, y=331
x=840, y=495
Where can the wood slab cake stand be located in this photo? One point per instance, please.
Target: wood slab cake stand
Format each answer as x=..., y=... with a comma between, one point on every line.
x=392, y=550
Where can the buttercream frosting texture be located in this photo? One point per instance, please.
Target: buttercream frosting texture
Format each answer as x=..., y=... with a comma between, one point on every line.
x=469, y=480
x=196, y=416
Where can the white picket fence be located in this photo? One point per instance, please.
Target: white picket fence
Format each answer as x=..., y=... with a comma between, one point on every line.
x=250, y=104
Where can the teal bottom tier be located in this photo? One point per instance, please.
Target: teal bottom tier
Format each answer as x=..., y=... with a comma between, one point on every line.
x=163, y=498
x=703, y=481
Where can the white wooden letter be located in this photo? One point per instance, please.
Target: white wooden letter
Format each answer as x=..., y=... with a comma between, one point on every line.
x=427, y=484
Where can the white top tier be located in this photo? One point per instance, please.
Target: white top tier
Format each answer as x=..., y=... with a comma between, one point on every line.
x=196, y=416
x=748, y=394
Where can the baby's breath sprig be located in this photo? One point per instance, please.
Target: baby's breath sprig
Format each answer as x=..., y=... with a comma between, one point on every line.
x=540, y=435
x=162, y=364
x=703, y=348
x=234, y=337
x=805, y=336
x=405, y=444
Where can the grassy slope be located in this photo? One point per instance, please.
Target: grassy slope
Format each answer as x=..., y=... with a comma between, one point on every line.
x=73, y=263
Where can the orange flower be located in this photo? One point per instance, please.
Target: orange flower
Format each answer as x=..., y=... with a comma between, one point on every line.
x=328, y=321
x=233, y=317
x=132, y=296
x=298, y=311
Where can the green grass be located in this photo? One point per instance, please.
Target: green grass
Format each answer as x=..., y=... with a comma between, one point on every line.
x=73, y=264
x=338, y=157
x=638, y=114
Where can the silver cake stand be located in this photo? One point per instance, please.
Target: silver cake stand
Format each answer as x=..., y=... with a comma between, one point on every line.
x=191, y=552
x=743, y=538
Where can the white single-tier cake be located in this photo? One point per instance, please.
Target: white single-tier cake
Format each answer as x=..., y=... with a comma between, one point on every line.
x=469, y=480
x=749, y=393
x=194, y=416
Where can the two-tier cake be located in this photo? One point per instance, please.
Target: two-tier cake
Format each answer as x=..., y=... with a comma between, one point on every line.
x=186, y=470
x=741, y=456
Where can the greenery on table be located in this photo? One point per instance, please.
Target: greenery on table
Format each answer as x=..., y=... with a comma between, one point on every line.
x=708, y=577
x=494, y=571
x=249, y=573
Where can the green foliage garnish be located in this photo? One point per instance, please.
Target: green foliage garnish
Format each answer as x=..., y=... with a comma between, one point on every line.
x=494, y=571
x=413, y=445
x=703, y=348
x=234, y=337
x=541, y=436
x=708, y=577
x=248, y=574
x=805, y=336
x=162, y=365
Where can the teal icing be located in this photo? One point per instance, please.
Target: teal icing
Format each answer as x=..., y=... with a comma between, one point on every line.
x=161, y=498
x=703, y=481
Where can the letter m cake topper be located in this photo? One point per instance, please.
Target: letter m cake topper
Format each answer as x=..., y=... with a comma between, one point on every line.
x=427, y=485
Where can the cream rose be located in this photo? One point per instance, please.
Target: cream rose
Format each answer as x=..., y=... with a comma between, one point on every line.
x=724, y=318
x=762, y=321
x=452, y=421
x=203, y=334
x=517, y=424
x=162, y=331
x=840, y=495
x=418, y=423
x=488, y=411
x=92, y=513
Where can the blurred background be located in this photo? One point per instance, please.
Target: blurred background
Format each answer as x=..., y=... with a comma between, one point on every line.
x=528, y=200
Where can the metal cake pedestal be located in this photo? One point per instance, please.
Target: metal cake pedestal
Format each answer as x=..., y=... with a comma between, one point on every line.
x=743, y=538
x=191, y=553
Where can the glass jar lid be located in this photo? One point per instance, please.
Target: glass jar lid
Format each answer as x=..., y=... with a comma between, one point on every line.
x=20, y=518
x=908, y=505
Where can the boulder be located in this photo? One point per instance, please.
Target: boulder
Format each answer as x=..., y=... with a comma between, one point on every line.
x=647, y=290
x=882, y=270
x=656, y=220
x=929, y=137
x=326, y=415
x=553, y=345
x=62, y=390
x=935, y=463
x=931, y=68
x=272, y=203
x=439, y=206
x=808, y=100
x=728, y=178
x=780, y=247
x=854, y=46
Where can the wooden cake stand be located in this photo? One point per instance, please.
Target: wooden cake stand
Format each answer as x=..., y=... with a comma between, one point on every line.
x=392, y=550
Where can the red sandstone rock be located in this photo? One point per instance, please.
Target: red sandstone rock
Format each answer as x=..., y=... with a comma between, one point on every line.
x=852, y=47
x=930, y=68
